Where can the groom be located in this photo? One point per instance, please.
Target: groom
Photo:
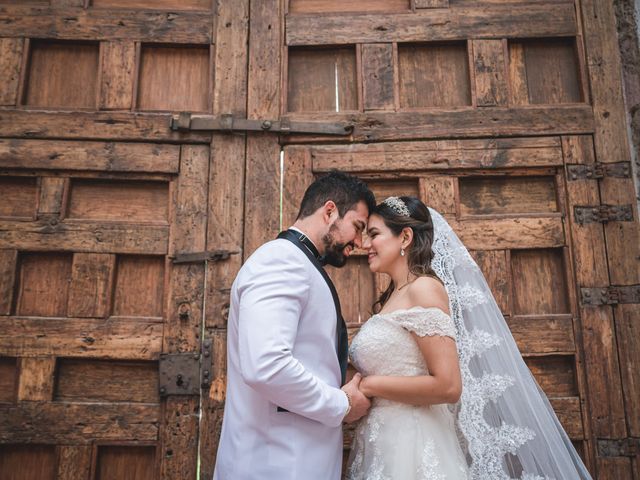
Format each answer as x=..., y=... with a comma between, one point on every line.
x=287, y=345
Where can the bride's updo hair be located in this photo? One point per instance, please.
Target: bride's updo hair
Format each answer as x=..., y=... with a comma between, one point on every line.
x=419, y=253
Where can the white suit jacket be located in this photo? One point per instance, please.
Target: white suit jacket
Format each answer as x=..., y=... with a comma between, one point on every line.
x=281, y=352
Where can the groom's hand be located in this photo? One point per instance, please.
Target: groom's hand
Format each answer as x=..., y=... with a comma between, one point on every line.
x=359, y=403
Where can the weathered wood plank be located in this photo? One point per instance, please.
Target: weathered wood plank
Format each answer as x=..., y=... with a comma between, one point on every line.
x=74, y=462
x=437, y=155
x=490, y=72
x=378, y=76
x=431, y=3
x=506, y=21
x=439, y=192
x=118, y=69
x=51, y=194
x=106, y=24
x=600, y=356
x=36, y=379
x=461, y=123
x=102, y=156
x=508, y=233
x=347, y=6
x=628, y=333
x=117, y=338
x=80, y=236
x=570, y=415
x=63, y=423
x=495, y=268
x=10, y=63
x=91, y=285
x=536, y=334
x=120, y=126
x=8, y=266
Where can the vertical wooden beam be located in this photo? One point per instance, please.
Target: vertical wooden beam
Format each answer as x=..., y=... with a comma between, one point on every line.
x=182, y=333
x=298, y=175
x=378, y=76
x=611, y=145
x=118, y=69
x=8, y=266
x=262, y=218
x=226, y=209
x=36, y=379
x=602, y=367
x=10, y=65
x=74, y=462
x=52, y=191
x=91, y=285
x=490, y=73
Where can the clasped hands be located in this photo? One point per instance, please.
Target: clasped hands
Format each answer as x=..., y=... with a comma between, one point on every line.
x=360, y=403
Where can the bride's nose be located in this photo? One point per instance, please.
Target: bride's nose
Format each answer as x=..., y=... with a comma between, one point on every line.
x=366, y=244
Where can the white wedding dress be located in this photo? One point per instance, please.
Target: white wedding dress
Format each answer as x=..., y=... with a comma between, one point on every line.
x=397, y=441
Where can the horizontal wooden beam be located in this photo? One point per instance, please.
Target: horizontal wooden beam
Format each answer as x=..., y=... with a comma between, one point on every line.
x=121, y=126
x=437, y=155
x=113, y=338
x=101, y=156
x=463, y=122
x=537, y=334
x=74, y=423
x=495, y=21
x=96, y=237
x=508, y=233
x=106, y=24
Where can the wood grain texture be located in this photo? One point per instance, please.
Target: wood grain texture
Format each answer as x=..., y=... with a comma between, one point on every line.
x=490, y=73
x=347, y=6
x=74, y=462
x=439, y=192
x=96, y=156
x=52, y=190
x=117, y=76
x=43, y=284
x=496, y=21
x=8, y=270
x=62, y=74
x=502, y=234
x=33, y=462
x=106, y=24
x=36, y=379
x=203, y=5
x=378, y=76
x=602, y=366
x=139, y=286
x=8, y=379
x=121, y=338
x=92, y=276
x=431, y=3
x=543, y=334
x=95, y=126
x=98, y=237
x=462, y=123
x=19, y=197
x=33, y=422
x=413, y=157
x=494, y=267
x=126, y=461
x=11, y=50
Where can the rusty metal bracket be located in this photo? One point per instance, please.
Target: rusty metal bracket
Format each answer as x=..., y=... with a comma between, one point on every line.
x=610, y=295
x=603, y=214
x=598, y=170
x=186, y=373
x=625, y=447
x=226, y=123
x=198, y=257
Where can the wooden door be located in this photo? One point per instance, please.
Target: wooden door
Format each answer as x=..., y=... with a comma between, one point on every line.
x=100, y=200
x=507, y=117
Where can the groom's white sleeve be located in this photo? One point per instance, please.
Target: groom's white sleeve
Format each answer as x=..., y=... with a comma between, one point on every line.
x=271, y=303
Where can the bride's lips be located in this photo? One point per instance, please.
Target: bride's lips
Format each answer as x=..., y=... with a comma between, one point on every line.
x=371, y=256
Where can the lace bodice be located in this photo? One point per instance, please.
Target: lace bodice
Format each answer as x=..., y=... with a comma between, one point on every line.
x=384, y=345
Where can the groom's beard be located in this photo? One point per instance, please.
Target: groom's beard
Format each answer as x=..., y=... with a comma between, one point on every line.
x=333, y=251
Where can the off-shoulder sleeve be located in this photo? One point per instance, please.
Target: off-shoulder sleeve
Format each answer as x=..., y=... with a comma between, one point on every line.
x=426, y=322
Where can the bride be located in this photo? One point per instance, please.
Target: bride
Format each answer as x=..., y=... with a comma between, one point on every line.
x=452, y=397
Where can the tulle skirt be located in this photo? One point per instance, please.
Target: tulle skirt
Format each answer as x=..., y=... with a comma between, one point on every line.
x=405, y=442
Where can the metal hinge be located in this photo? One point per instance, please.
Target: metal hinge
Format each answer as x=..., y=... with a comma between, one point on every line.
x=603, y=214
x=197, y=257
x=598, y=170
x=226, y=123
x=610, y=295
x=186, y=373
x=625, y=447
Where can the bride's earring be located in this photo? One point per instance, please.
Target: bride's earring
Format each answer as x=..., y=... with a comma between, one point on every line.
x=402, y=252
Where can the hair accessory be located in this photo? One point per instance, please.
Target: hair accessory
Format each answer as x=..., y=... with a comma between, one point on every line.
x=397, y=205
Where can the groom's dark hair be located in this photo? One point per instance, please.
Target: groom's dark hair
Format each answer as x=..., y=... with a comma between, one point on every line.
x=343, y=189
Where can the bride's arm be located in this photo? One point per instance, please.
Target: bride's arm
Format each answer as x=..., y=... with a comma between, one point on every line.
x=442, y=385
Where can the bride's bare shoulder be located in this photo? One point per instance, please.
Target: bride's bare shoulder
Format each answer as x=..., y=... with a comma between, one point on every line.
x=428, y=292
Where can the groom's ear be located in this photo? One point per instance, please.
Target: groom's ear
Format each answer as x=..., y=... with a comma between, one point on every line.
x=329, y=211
